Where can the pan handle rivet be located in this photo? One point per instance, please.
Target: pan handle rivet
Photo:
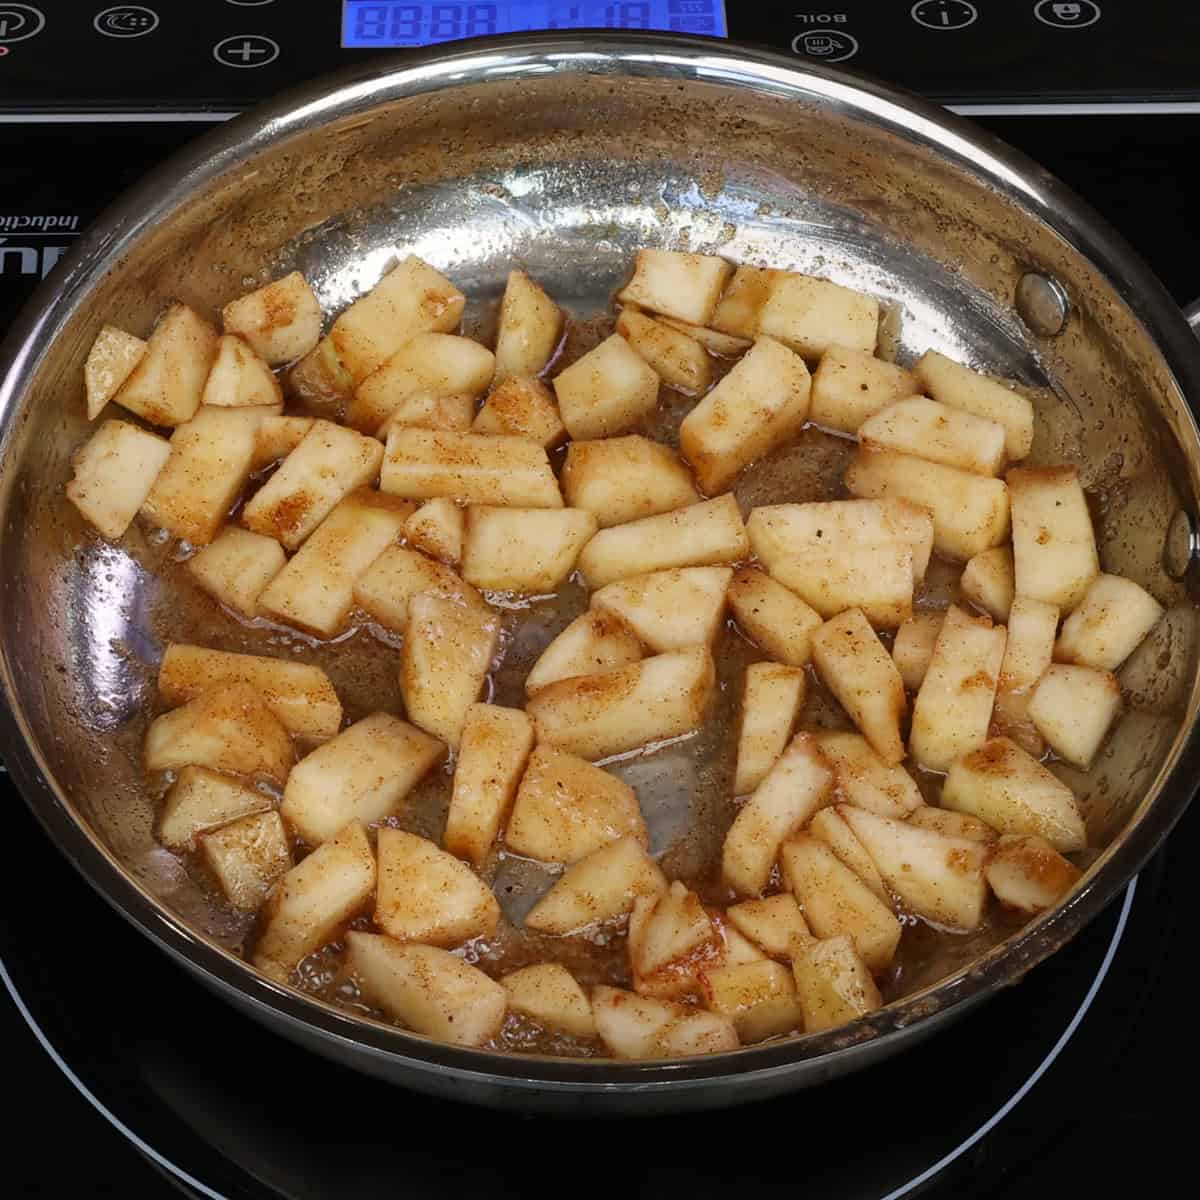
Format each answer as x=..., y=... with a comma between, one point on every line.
x=1181, y=545
x=1042, y=304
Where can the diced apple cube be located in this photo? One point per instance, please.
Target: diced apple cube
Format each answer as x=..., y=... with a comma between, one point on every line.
x=604, y=885
x=238, y=378
x=849, y=386
x=236, y=567
x=722, y=344
x=566, y=809
x=912, y=647
x=622, y=708
x=958, y=386
x=300, y=695
x=247, y=857
x=678, y=360
x=492, y=755
x=833, y=985
x=738, y=310
x=773, y=617
x=1054, y=547
x=865, y=780
x=672, y=940
x=166, y=385
x=362, y=774
x=281, y=321
x=1073, y=708
x=810, y=315
x=970, y=512
x=609, y=390
x=760, y=404
x=386, y=588
x=1029, y=874
x=114, y=472
x=591, y=643
x=1027, y=653
x=411, y=298
x=430, y=990
x=429, y=409
x=953, y=824
x=700, y=535
x=669, y=610
x=522, y=407
x=277, y=437
x=680, y=285
x=446, y=655
x=776, y=923
x=758, y=997
x=736, y=948
x=938, y=433
x=836, y=902
x=799, y=783
x=855, y=667
x=1014, y=793
x=319, y=380
x=988, y=582
x=427, y=895
x=112, y=357
x=829, y=826
x=201, y=800
x=530, y=329
x=771, y=702
x=549, y=994
x=530, y=550
x=475, y=468
x=329, y=464
x=228, y=729
x=437, y=527
x=633, y=1026
x=624, y=479
x=1112, y=619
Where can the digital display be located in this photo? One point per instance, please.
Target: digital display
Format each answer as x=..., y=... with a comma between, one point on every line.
x=368, y=26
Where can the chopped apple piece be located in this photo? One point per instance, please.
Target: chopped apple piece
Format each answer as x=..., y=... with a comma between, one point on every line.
x=958, y=386
x=475, y=468
x=429, y=409
x=430, y=364
x=1029, y=874
x=953, y=824
x=830, y=827
x=115, y=471
x=776, y=923
x=386, y=588
x=239, y=378
x=854, y=666
x=1031, y=628
x=936, y=877
x=988, y=582
x=1073, y=708
x=362, y=774
x=228, y=729
x=849, y=386
x=236, y=567
x=430, y=990
x=166, y=385
x=799, y=783
x=953, y=709
x=771, y=702
x=672, y=939
x=522, y=407
x=300, y=695
x=437, y=527
x=633, y=1026
x=669, y=609
x=281, y=321
x=549, y=994
x=678, y=360
x=760, y=404
x=591, y=643
x=412, y=298
x=758, y=997
x=738, y=311
x=833, y=985
x=700, y=535
x=912, y=647
x=247, y=857
x=113, y=355
x=865, y=780
x=201, y=800
x=604, y=885
x=622, y=708
x=970, y=512
x=277, y=437
x=680, y=285
x=329, y=464
x=836, y=902
x=1054, y=547
x=566, y=809
x=447, y=653
x=609, y=390
x=736, y=948
x=811, y=315
x=1112, y=619
x=938, y=433
x=531, y=326
x=530, y=550
x=722, y=344
x=774, y=618
x=626, y=478
x=492, y=755
x=319, y=379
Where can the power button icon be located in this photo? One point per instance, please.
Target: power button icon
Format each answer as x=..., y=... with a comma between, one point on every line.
x=126, y=21
x=20, y=21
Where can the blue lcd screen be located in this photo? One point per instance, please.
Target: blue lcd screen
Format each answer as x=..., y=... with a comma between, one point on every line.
x=367, y=26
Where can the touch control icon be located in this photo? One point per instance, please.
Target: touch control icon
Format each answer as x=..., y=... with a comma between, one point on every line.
x=827, y=45
x=246, y=50
x=944, y=14
x=20, y=21
x=1075, y=14
x=126, y=21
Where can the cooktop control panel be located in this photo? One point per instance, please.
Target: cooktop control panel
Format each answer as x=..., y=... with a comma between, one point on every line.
x=210, y=56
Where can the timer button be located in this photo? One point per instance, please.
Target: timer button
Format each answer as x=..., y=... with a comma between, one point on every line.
x=246, y=50
x=20, y=21
x=944, y=15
